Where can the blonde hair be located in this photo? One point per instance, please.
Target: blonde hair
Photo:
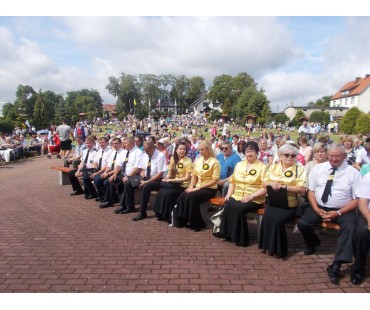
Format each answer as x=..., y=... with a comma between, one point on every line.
x=208, y=145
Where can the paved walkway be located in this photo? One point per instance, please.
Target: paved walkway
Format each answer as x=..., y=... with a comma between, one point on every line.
x=53, y=242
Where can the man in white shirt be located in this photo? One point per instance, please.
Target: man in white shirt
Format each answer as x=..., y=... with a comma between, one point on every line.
x=304, y=128
x=127, y=164
x=153, y=165
x=363, y=156
x=362, y=233
x=332, y=189
x=87, y=162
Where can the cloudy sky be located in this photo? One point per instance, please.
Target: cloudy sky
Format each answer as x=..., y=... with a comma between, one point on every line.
x=294, y=59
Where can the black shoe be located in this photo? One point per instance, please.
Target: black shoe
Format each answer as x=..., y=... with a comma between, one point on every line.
x=91, y=197
x=139, y=216
x=333, y=273
x=128, y=210
x=356, y=278
x=106, y=205
x=311, y=249
x=119, y=210
x=77, y=193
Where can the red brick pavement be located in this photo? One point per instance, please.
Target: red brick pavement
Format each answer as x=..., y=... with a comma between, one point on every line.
x=53, y=242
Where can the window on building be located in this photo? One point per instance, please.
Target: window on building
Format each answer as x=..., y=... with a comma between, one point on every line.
x=352, y=100
x=205, y=104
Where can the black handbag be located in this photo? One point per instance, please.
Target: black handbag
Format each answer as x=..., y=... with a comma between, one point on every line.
x=87, y=172
x=134, y=180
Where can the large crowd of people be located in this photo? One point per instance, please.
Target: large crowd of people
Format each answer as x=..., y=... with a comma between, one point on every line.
x=313, y=179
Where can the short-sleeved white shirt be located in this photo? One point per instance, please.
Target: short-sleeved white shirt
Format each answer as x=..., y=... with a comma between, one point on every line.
x=362, y=157
x=158, y=163
x=345, y=183
x=134, y=159
x=363, y=190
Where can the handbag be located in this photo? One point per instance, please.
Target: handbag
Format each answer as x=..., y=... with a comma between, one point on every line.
x=134, y=180
x=277, y=199
x=87, y=172
x=216, y=219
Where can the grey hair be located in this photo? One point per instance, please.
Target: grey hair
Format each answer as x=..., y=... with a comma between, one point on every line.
x=334, y=146
x=287, y=148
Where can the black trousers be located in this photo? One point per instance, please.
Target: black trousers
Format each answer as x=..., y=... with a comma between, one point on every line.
x=100, y=184
x=74, y=181
x=361, y=244
x=89, y=187
x=129, y=195
x=114, y=189
x=347, y=223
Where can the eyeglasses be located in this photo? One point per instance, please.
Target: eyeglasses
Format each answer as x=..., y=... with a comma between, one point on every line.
x=224, y=148
x=290, y=155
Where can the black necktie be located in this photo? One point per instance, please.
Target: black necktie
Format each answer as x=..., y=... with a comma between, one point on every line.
x=148, y=168
x=329, y=183
x=114, y=161
x=100, y=159
x=87, y=156
x=125, y=163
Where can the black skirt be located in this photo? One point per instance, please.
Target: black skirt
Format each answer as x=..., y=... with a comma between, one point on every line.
x=165, y=201
x=273, y=237
x=187, y=212
x=234, y=224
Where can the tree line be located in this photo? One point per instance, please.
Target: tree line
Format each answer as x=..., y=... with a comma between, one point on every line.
x=238, y=96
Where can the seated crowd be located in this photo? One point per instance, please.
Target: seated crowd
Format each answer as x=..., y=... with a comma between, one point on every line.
x=269, y=172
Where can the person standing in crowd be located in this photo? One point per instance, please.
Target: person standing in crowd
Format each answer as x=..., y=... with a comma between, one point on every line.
x=202, y=187
x=64, y=132
x=174, y=184
x=80, y=130
x=228, y=160
x=290, y=177
x=153, y=165
x=362, y=232
x=87, y=162
x=245, y=194
x=305, y=149
x=332, y=188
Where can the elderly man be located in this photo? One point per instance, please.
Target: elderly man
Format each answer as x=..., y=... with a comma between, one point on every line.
x=228, y=160
x=362, y=233
x=153, y=165
x=332, y=189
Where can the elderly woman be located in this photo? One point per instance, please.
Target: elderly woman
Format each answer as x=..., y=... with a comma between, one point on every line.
x=350, y=150
x=174, y=184
x=245, y=194
x=285, y=177
x=319, y=156
x=265, y=155
x=203, y=186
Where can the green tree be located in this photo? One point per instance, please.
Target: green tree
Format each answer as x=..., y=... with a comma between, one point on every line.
x=180, y=92
x=10, y=111
x=25, y=102
x=281, y=118
x=348, y=122
x=296, y=120
x=320, y=117
x=221, y=89
x=126, y=88
x=6, y=125
x=363, y=124
x=196, y=89
x=83, y=101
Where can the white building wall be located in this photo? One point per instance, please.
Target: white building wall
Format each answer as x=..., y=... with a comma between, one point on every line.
x=364, y=101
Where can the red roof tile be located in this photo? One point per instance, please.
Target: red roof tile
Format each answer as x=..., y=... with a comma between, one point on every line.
x=354, y=88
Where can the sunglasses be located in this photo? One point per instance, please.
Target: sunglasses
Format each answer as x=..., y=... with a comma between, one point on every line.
x=290, y=155
x=224, y=148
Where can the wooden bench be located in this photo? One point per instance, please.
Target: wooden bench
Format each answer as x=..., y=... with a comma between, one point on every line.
x=63, y=174
x=219, y=201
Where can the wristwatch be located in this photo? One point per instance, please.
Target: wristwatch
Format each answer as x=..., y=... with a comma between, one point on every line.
x=339, y=213
x=254, y=196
